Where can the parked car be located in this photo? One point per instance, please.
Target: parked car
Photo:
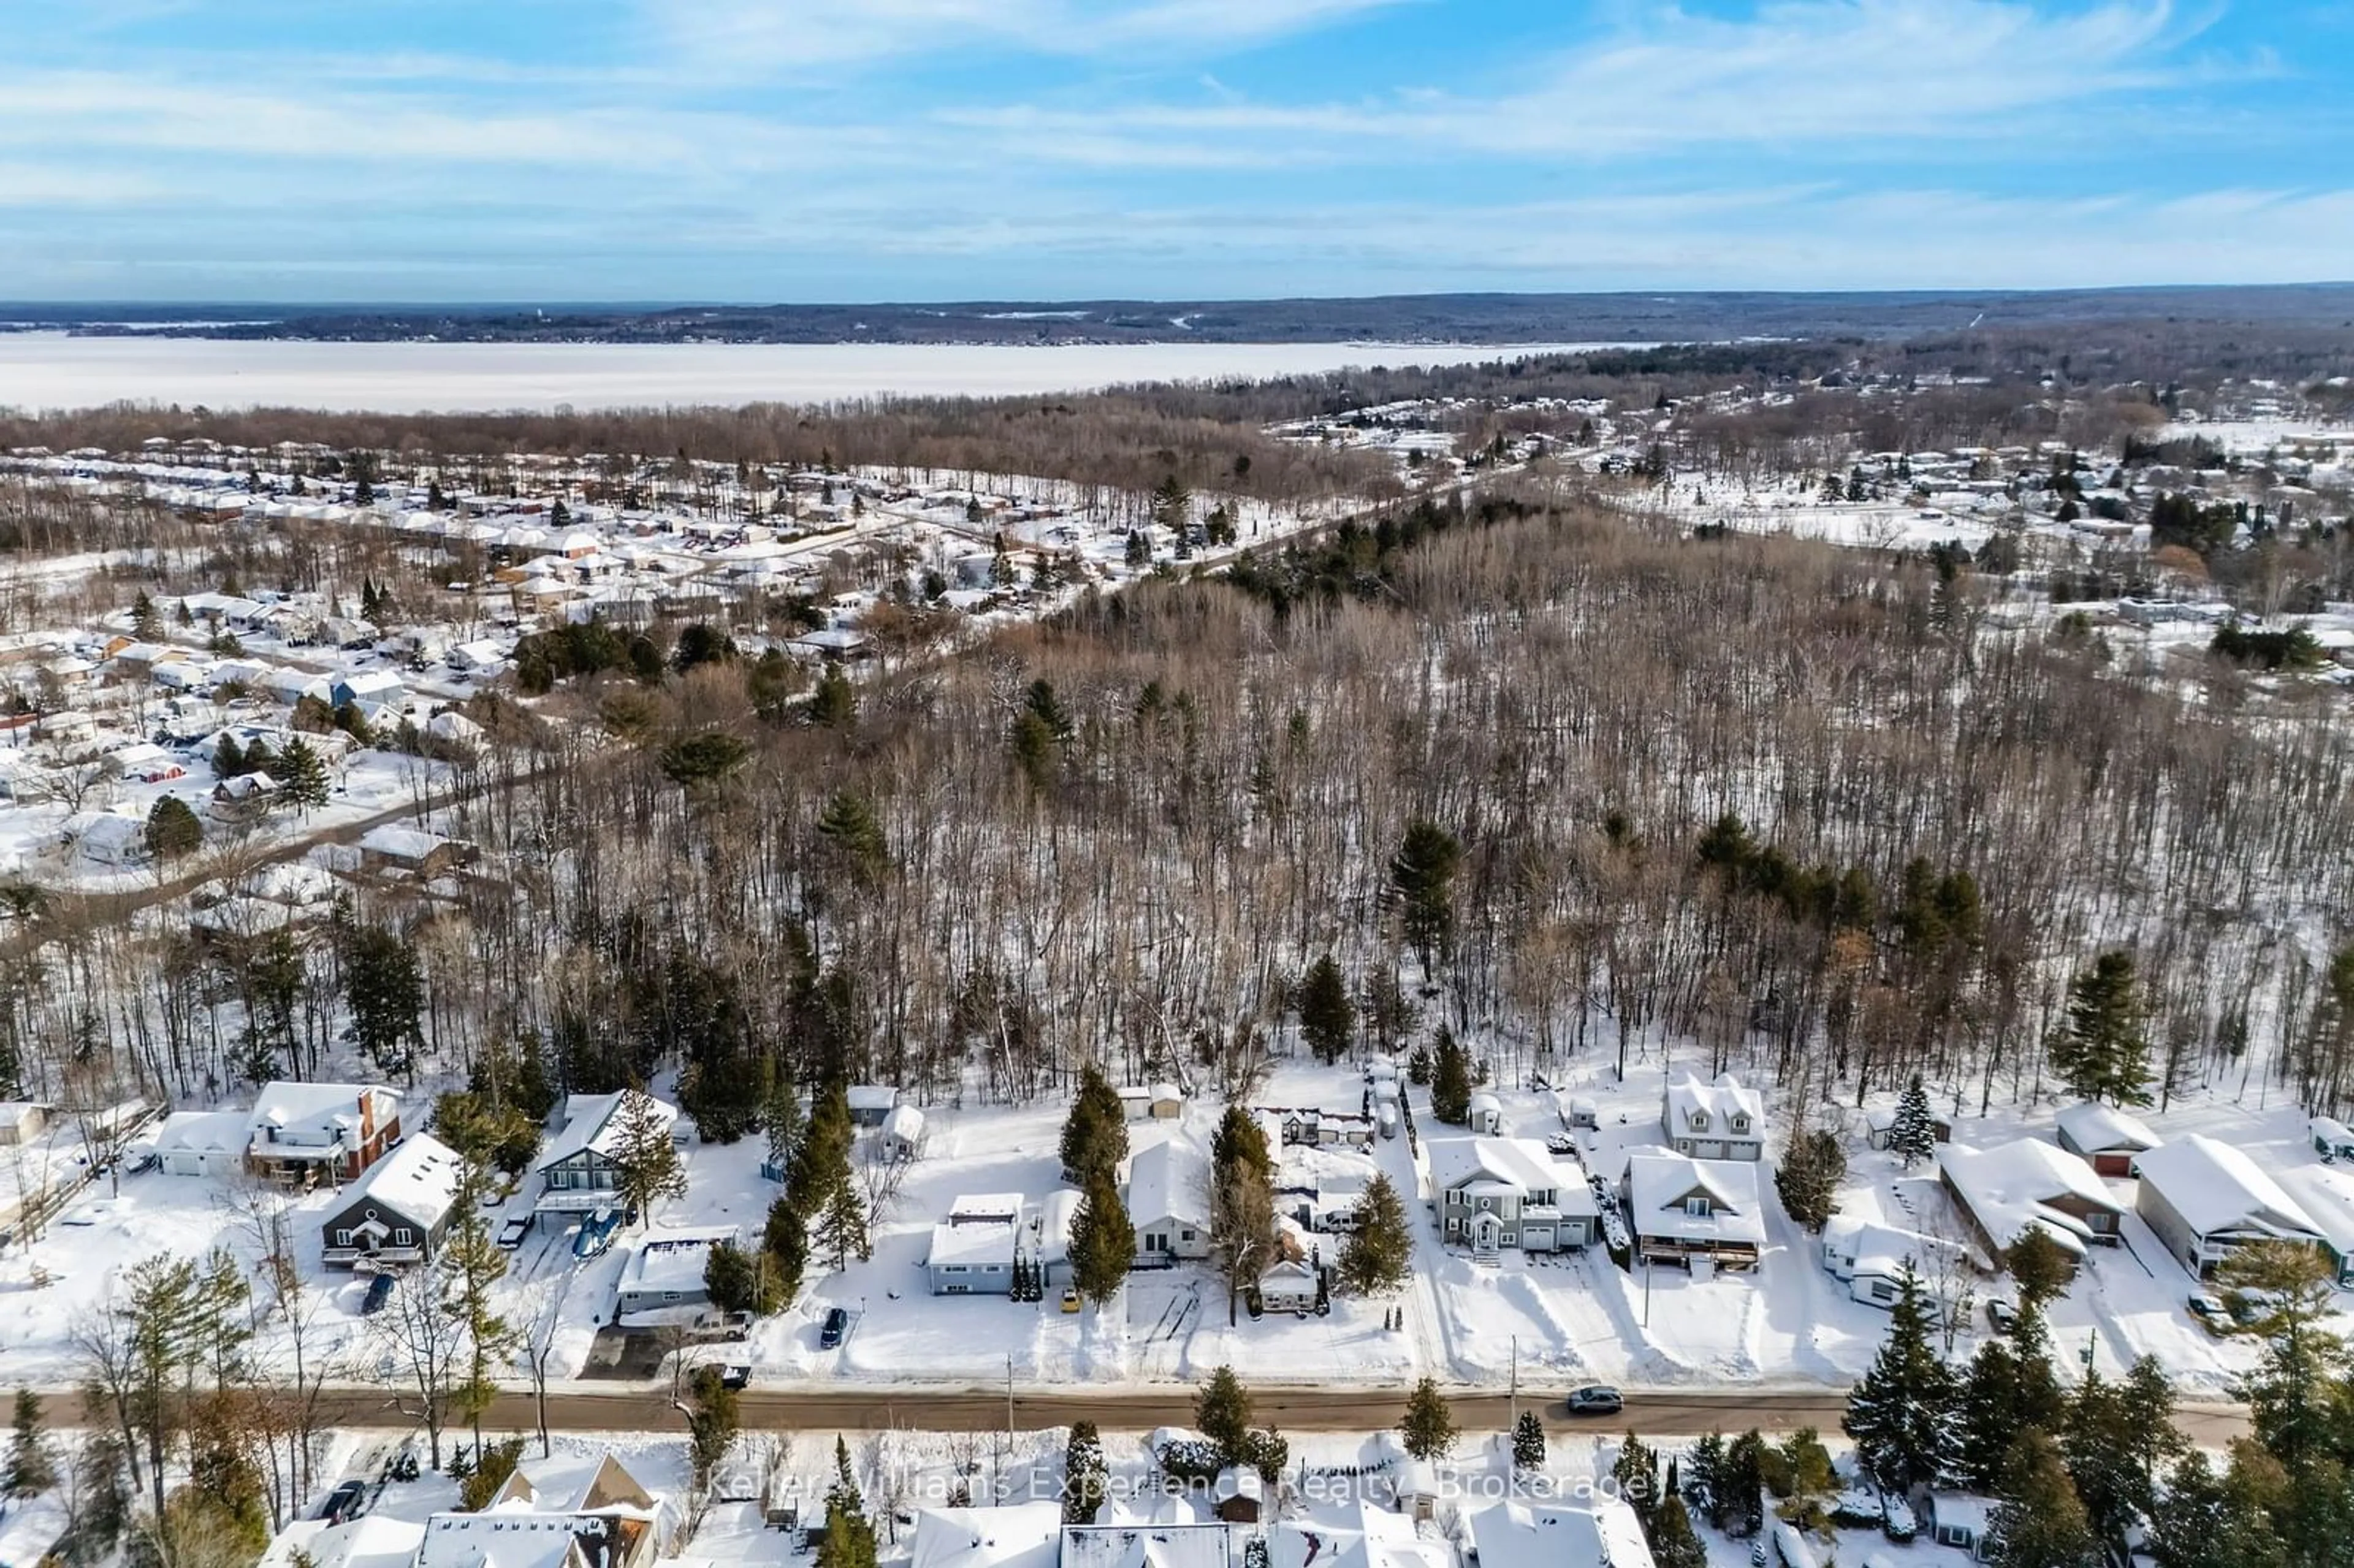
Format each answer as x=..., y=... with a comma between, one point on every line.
x=344, y=1503
x=2210, y=1310
x=738, y=1376
x=379, y=1293
x=143, y=1163
x=512, y=1234
x=829, y=1333
x=1595, y=1399
x=2002, y=1315
x=1070, y=1298
x=1560, y=1144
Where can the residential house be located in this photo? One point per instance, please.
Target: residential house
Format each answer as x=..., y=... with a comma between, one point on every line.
x=243, y=799
x=2327, y=1196
x=1167, y=1202
x=110, y=838
x=1959, y=1520
x=392, y=847
x=2332, y=1139
x=1701, y=1213
x=302, y=1133
x=1021, y=1535
x=1870, y=1258
x=577, y=1170
x=1499, y=1192
x=400, y=1210
x=1998, y=1193
x=1720, y=1120
x=364, y=687
x=1124, y=1539
x=1289, y=1286
x=2105, y=1135
x=2206, y=1199
x=662, y=1282
x=541, y=1519
x=371, y=1541
x=1321, y=1128
x=1593, y=1532
x=871, y=1104
x=974, y=1245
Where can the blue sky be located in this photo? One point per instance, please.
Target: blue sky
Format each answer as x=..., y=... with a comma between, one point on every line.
x=770, y=150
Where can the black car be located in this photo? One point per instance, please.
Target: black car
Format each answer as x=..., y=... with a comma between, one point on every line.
x=736, y=1377
x=829, y=1333
x=379, y=1292
x=343, y=1503
x=1595, y=1399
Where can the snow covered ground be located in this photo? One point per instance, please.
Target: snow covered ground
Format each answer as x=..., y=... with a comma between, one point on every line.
x=52, y=370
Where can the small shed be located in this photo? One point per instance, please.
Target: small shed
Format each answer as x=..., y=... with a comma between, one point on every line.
x=871, y=1104
x=1416, y=1489
x=21, y=1122
x=2332, y=1139
x=1579, y=1111
x=901, y=1137
x=1240, y=1492
x=1487, y=1113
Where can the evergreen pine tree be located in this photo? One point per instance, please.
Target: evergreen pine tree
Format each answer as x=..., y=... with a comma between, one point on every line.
x=1636, y=1476
x=834, y=704
x=1103, y=1242
x=302, y=776
x=1095, y=1134
x=1900, y=1415
x=30, y=1469
x=1422, y=874
x=780, y=1117
x=146, y=624
x=2102, y=1050
x=173, y=829
x=1913, y=1138
x=784, y=1248
x=1376, y=1257
x=1740, y=1492
x=1674, y=1542
x=849, y=1533
x=2038, y=1266
x=1087, y=1479
x=1987, y=1421
x=1703, y=1475
x=1528, y=1442
x=229, y=758
x=1809, y=1178
x=1327, y=1016
x=646, y=1166
x=1427, y=1428
x=843, y=1227
x=2040, y=1523
x=1222, y=1414
x=1450, y=1081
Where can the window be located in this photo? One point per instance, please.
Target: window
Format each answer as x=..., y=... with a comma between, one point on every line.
x=343, y=1238
x=1684, y=1146
x=1697, y=1207
x=1156, y=1241
x=1699, y=1121
x=1882, y=1292
x=953, y=1269
x=670, y=1295
x=1741, y=1123
x=1185, y=1234
x=402, y=1236
x=992, y=1269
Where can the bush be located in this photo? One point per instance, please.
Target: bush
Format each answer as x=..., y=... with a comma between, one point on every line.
x=490, y=1473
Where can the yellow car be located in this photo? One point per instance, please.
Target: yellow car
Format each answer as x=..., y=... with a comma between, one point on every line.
x=1070, y=1300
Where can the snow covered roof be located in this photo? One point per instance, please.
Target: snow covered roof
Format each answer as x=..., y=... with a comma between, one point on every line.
x=289, y=1117
x=590, y=1121
x=1178, y=1544
x=1057, y=1213
x=507, y=1536
x=396, y=842
x=2215, y=1187
x=871, y=1096
x=1521, y=1164
x=419, y=1179
x=1600, y=1533
x=209, y=1131
x=674, y=1260
x=1658, y=1188
x=980, y=1228
x=371, y=1541
x=1872, y=1249
x=2094, y=1128
x=905, y=1122
x=2013, y=1185
x=1164, y=1182
x=1024, y=1535
x=1718, y=1102
x=2327, y=1196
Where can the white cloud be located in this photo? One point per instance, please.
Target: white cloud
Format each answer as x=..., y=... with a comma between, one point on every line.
x=747, y=35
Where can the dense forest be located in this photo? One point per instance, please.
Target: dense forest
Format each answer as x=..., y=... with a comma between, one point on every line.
x=1582, y=787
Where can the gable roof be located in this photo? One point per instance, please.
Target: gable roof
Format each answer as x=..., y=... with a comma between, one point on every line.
x=1658, y=1184
x=1024, y=1535
x=592, y=1121
x=418, y=1181
x=316, y=1115
x=2094, y=1128
x=1603, y=1533
x=1721, y=1099
x=1523, y=1164
x=2215, y=1187
x=1165, y=1182
x=2326, y=1195
x=2011, y=1186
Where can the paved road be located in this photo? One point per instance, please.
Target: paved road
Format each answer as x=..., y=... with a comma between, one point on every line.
x=830, y=1409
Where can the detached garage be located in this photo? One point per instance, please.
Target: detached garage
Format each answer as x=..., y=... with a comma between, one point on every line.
x=203, y=1143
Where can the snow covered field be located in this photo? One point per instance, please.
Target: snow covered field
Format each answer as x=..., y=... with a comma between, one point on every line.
x=52, y=370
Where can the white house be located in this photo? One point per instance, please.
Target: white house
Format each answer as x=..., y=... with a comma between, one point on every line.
x=1597, y=1532
x=1870, y=1258
x=202, y=1143
x=111, y=839
x=1023, y=1535
x=662, y=1282
x=2205, y=1199
x=1498, y=1193
x=1721, y=1120
x=1686, y=1209
x=1168, y=1203
x=901, y=1137
x=1289, y=1286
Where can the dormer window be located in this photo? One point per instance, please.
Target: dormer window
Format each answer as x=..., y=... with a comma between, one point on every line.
x=1741, y=1123
x=1699, y=1121
x=1696, y=1207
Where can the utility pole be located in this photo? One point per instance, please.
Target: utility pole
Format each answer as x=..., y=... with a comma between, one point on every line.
x=1515, y=1423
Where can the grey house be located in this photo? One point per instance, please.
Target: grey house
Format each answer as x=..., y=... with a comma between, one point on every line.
x=972, y=1249
x=577, y=1174
x=399, y=1210
x=2206, y=1200
x=1499, y=1192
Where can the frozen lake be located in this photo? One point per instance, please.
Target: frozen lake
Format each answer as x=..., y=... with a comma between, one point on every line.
x=52, y=370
